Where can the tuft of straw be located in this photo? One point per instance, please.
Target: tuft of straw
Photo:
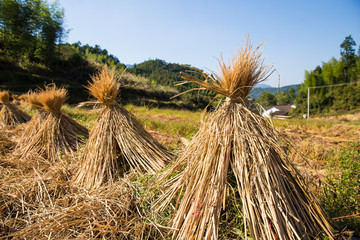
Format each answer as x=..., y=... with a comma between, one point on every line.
x=276, y=201
x=104, y=86
x=51, y=132
x=4, y=97
x=117, y=141
x=32, y=99
x=52, y=98
x=9, y=113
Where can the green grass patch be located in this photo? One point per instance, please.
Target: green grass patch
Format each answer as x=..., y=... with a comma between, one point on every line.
x=341, y=192
x=84, y=116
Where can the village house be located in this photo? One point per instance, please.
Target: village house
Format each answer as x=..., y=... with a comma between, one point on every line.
x=280, y=111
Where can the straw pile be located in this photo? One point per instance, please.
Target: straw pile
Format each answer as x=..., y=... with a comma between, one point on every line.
x=9, y=113
x=117, y=140
x=50, y=132
x=38, y=202
x=276, y=201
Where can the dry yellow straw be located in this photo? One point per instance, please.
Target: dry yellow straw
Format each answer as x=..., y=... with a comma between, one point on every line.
x=276, y=201
x=51, y=132
x=9, y=113
x=117, y=141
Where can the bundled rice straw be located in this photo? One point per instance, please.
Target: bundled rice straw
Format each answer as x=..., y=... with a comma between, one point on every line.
x=51, y=132
x=276, y=201
x=34, y=125
x=9, y=113
x=117, y=139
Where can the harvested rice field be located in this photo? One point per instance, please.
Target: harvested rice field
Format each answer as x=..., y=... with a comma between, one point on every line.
x=38, y=201
x=116, y=172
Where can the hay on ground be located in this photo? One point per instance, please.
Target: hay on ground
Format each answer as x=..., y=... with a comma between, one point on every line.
x=51, y=132
x=39, y=203
x=117, y=140
x=9, y=113
x=277, y=204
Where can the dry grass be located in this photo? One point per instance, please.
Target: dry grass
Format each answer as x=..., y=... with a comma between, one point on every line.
x=9, y=113
x=276, y=201
x=50, y=133
x=38, y=202
x=117, y=141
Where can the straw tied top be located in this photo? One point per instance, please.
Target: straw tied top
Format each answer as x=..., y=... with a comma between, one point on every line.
x=4, y=97
x=236, y=79
x=50, y=99
x=104, y=88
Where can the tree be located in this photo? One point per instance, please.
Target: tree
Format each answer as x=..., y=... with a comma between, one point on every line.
x=347, y=53
x=282, y=98
x=266, y=99
x=291, y=94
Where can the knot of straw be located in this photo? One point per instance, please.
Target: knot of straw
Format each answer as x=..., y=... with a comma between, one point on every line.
x=238, y=78
x=104, y=86
x=4, y=97
x=49, y=99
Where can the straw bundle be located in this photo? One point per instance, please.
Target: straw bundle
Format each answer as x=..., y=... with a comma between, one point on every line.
x=50, y=132
x=117, y=141
x=276, y=202
x=9, y=113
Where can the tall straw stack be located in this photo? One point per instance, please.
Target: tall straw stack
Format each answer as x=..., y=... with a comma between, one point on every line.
x=9, y=113
x=117, y=141
x=51, y=133
x=276, y=201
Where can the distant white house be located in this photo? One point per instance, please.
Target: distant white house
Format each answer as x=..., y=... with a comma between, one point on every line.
x=278, y=111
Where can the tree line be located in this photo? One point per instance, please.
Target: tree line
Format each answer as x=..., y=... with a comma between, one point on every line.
x=344, y=73
x=267, y=99
x=168, y=74
x=345, y=70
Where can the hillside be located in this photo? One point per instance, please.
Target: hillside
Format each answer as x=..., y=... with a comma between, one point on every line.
x=150, y=83
x=72, y=69
x=257, y=91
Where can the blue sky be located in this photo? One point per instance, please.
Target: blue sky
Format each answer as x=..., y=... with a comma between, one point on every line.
x=300, y=34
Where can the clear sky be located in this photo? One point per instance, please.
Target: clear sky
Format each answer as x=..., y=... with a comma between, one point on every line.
x=300, y=34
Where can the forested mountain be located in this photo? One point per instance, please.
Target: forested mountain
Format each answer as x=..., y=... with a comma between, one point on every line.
x=163, y=73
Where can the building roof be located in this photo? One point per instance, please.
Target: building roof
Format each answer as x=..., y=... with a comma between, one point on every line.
x=281, y=109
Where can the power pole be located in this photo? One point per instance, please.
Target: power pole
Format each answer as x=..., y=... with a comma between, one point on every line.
x=308, y=103
x=278, y=91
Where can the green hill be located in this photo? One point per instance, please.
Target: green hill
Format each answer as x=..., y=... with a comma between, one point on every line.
x=150, y=83
x=256, y=92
